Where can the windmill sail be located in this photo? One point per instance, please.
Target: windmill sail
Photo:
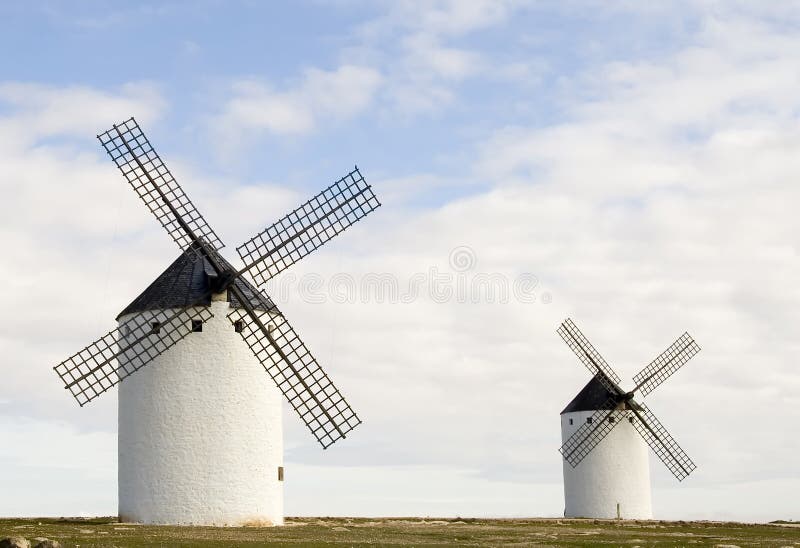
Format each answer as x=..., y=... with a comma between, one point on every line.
x=297, y=374
x=592, y=432
x=121, y=352
x=669, y=361
x=147, y=174
x=590, y=357
x=308, y=227
x=662, y=443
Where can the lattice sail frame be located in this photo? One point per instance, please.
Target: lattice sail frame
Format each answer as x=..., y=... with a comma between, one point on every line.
x=663, y=444
x=132, y=153
x=123, y=351
x=302, y=381
x=308, y=227
x=667, y=363
x=591, y=433
x=589, y=356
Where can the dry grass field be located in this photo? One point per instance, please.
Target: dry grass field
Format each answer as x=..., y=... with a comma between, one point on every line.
x=419, y=532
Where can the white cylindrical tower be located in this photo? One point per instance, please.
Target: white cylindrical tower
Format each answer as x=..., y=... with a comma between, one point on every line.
x=200, y=433
x=613, y=480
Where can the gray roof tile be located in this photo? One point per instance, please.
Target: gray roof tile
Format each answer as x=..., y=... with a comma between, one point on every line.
x=186, y=283
x=592, y=397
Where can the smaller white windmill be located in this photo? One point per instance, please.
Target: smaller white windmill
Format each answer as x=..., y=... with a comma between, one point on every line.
x=612, y=479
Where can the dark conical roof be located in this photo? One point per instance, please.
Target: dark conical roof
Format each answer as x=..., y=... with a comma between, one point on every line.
x=186, y=282
x=594, y=396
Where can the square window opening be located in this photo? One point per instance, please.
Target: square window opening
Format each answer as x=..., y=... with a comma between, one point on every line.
x=155, y=328
x=197, y=326
x=588, y=420
x=238, y=326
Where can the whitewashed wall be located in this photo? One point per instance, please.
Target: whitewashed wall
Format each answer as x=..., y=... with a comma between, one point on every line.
x=200, y=434
x=616, y=471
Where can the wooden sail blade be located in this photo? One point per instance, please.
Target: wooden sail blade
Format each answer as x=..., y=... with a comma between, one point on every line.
x=592, y=432
x=297, y=374
x=667, y=363
x=590, y=357
x=662, y=443
x=123, y=351
x=308, y=227
x=142, y=167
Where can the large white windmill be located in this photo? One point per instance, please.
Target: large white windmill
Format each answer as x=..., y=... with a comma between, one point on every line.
x=200, y=435
x=605, y=434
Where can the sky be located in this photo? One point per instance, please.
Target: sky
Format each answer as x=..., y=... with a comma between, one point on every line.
x=630, y=165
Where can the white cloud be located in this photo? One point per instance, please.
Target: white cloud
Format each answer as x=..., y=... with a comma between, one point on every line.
x=320, y=96
x=402, y=62
x=441, y=18
x=59, y=465
x=440, y=491
x=45, y=111
x=424, y=76
x=415, y=42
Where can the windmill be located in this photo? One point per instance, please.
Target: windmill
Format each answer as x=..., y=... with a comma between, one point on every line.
x=612, y=479
x=200, y=434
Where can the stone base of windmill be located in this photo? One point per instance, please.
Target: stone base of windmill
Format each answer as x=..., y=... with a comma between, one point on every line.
x=200, y=434
x=613, y=480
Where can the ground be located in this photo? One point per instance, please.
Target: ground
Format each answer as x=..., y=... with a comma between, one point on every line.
x=417, y=532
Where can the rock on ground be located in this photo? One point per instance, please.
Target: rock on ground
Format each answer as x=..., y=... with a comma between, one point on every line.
x=14, y=542
x=40, y=542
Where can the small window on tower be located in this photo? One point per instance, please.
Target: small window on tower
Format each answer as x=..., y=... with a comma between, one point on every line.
x=588, y=420
x=155, y=328
x=570, y=422
x=630, y=420
x=238, y=326
x=611, y=418
x=197, y=326
x=280, y=473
